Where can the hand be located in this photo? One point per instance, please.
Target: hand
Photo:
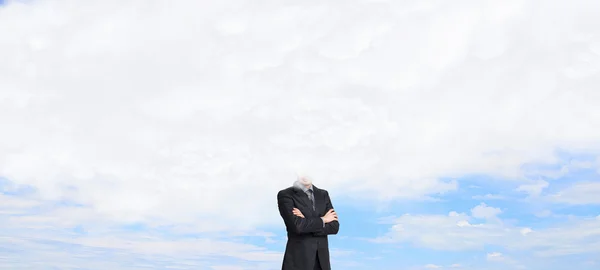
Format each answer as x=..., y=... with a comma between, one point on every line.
x=297, y=213
x=330, y=216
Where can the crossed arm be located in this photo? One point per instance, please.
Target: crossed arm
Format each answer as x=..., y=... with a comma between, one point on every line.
x=297, y=224
x=332, y=227
x=329, y=228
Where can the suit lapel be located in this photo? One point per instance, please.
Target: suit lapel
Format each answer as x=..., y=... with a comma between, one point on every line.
x=303, y=198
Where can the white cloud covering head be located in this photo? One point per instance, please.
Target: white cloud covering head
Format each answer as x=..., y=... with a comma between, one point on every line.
x=304, y=179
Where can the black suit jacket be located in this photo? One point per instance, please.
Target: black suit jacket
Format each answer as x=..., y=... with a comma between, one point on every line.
x=306, y=236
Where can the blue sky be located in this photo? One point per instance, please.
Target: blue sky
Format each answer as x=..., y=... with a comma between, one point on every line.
x=147, y=135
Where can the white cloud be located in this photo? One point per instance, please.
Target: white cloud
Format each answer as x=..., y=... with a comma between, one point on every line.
x=495, y=256
x=534, y=189
x=62, y=235
x=485, y=212
x=144, y=243
x=578, y=194
x=543, y=213
x=148, y=112
x=436, y=266
x=488, y=197
x=126, y=251
x=227, y=267
x=194, y=114
x=15, y=205
x=458, y=232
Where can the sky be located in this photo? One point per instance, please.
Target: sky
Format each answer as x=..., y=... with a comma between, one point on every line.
x=457, y=135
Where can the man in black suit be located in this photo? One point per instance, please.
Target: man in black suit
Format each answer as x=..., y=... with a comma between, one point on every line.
x=309, y=217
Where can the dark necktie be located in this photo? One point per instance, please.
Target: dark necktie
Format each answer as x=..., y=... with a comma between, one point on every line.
x=311, y=197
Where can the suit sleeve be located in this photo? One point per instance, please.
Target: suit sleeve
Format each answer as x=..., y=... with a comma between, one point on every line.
x=331, y=227
x=296, y=224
